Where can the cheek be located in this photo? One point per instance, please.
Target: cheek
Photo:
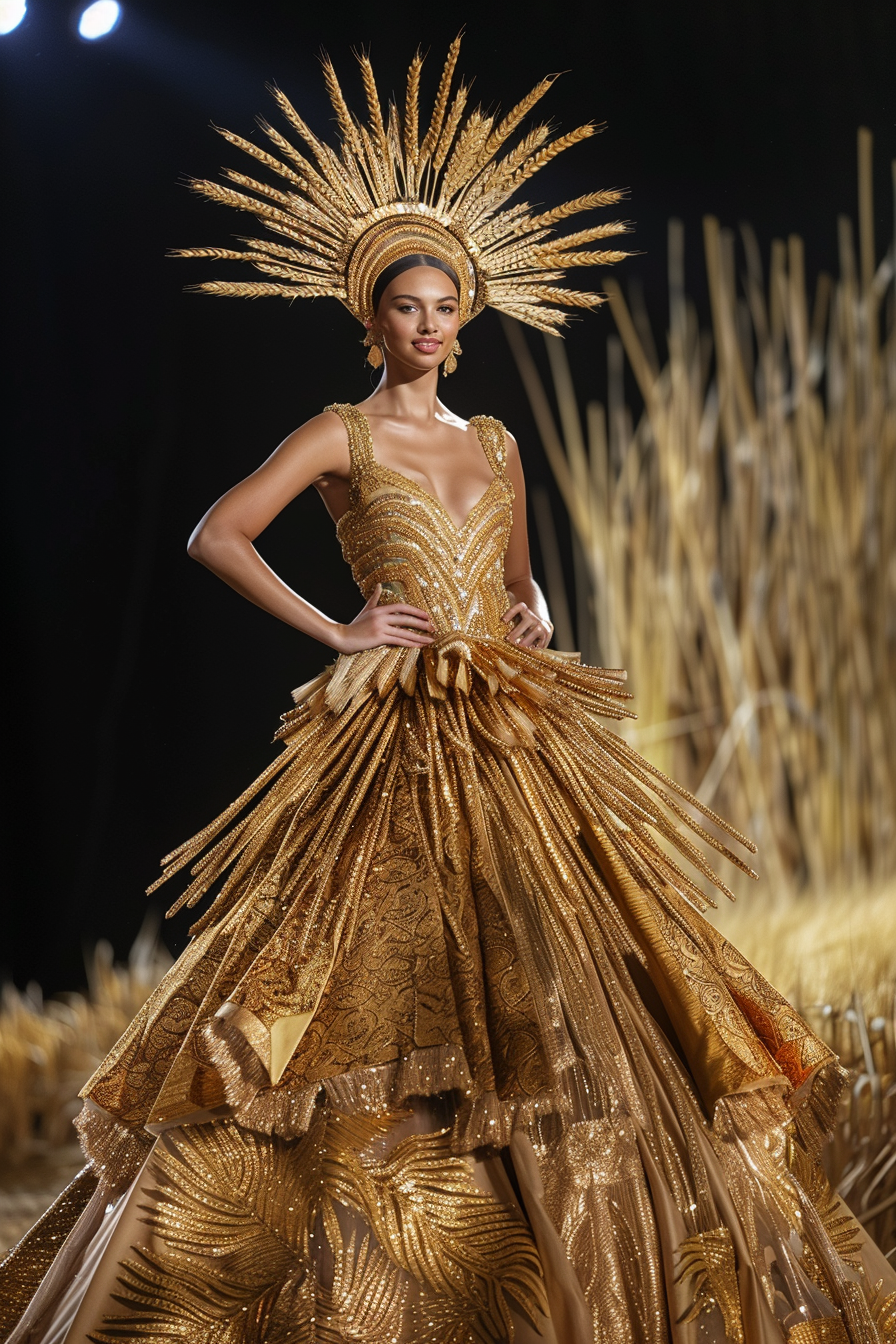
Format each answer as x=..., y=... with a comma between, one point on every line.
x=400, y=327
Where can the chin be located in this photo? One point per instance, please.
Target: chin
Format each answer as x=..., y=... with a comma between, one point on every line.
x=423, y=363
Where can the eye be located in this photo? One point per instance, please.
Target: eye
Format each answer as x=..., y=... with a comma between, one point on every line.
x=406, y=308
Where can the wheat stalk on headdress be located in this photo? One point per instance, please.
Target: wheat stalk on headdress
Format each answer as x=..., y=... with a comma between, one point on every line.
x=460, y=173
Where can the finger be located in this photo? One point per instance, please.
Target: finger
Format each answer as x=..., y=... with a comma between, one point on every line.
x=373, y=598
x=400, y=609
x=406, y=627
x=513, y=611
x=526, y=636
x=423, y=621
x=519, y=632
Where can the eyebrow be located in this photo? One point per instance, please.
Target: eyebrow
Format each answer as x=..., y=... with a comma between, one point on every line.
x=450, y=298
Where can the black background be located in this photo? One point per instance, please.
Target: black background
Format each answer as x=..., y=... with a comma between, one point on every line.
x=141, y=693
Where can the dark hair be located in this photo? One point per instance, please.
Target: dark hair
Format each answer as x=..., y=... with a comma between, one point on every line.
x=385, y=278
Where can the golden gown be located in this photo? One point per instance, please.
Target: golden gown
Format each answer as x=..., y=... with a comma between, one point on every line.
x=452, y=1055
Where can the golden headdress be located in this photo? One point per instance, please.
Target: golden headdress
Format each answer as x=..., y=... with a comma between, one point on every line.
x=388, y=194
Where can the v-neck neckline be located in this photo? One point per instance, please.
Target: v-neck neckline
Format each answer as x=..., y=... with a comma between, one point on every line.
x=421, y=489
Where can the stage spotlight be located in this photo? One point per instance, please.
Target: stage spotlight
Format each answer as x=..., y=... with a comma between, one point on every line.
x=99, y=19
x=12, y=12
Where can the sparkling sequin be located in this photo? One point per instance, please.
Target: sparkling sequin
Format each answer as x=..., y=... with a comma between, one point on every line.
x=457, y=896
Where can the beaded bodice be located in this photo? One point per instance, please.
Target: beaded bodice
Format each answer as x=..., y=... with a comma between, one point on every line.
x=397, y=533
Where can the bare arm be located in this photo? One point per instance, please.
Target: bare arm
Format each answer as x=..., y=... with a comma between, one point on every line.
x=531, y=622
x=223, y=543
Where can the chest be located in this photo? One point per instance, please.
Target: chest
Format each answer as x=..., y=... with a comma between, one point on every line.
x=453, y=470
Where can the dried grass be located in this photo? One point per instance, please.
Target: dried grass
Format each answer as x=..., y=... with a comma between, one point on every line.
x=734, y=547
x=48, y=1048
x=735, y=543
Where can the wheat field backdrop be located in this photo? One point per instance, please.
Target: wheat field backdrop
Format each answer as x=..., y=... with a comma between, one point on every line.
x=734, y=548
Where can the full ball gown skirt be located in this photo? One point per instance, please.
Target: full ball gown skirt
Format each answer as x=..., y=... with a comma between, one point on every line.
x=453, y=1055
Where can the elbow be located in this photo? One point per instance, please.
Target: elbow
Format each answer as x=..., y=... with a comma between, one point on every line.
x=213, y=543
x=201, y=543
x=196, y=545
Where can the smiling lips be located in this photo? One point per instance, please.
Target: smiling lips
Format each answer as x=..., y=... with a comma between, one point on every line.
x=426, y=347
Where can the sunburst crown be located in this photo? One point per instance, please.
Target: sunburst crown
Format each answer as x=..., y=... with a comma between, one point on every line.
x=388, y=192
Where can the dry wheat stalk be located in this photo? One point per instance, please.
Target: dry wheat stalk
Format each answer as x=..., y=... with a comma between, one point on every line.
x=735, y=543
x=734, y=547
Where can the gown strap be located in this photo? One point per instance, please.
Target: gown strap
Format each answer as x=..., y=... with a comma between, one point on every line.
x=493, y=438
x=360, y=443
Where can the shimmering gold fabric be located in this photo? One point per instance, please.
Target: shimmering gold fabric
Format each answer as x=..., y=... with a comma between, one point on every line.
x=21, y=1275
x=708, y=1258
x=362, y=1227
x=456, y=894
x=397, y=534
x=829, y=1331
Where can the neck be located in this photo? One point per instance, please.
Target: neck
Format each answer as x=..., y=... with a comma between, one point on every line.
x=406, y=392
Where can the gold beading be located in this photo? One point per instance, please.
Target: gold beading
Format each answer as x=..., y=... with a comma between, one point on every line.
x=400, y=236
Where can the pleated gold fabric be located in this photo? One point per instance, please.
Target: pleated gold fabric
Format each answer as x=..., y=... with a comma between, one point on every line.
x=453, y=1054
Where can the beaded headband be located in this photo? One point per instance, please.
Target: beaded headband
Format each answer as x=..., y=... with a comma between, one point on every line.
x=400, y=236
x=412, y=261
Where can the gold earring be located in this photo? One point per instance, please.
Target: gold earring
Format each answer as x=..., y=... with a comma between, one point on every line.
x=374, y=350
x=451, y=362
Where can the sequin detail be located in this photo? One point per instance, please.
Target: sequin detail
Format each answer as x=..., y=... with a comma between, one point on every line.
x=457, y=895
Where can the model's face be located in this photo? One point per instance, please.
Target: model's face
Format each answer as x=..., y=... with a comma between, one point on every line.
x=418, y=318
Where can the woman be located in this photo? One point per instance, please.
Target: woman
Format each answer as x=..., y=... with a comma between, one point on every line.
x=452, y=1054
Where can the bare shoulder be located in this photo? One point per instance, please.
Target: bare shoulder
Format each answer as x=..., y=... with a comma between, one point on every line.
x=325, y=428
x=510, y=441
x=512, y=448
x=320, y=444
x=514, y=465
